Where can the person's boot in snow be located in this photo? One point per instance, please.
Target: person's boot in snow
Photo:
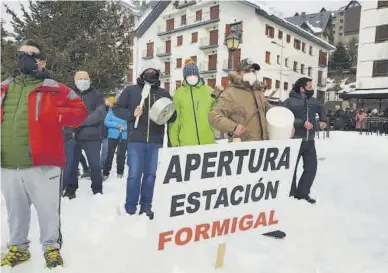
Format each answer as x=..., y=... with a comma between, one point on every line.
x=120, y=176
x=310, y=200
x=105, y=177
x=277, y=234
x=86, y=174
x=53, y=257
x=148, y=212
x=69, y=193
x=15, y=256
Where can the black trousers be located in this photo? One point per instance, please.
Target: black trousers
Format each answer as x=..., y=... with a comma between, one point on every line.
x=308, y=153
x=84, y=163
x=121, y=145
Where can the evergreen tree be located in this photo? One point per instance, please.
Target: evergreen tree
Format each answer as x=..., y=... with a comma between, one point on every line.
x=80, y=35
x=8, y=55
x=340, y=58
x=353, y=51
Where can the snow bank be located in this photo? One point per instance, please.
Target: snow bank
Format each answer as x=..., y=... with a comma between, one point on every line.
x=315, y=30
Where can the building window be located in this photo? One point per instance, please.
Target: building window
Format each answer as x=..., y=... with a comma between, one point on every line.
x=278, y=59
x=341, y=28
x=213, y=37
x=320, y=77
x=381, y=33
x=380, y=68
x=198, y=15
x=211, y=83
x=236, y=28
x=268, y=57
x=382, y=4
x=167, y=86
x=167, y=68
x=297, y=44
x=309, y=71
x=285, y=86
x=179, y=40
x=288, y=38
x=269, y=31
x=277, y=84
x=302, y=69
x=170, y=24
x=150, y=49
x=267, y=82
x=340, y=34
x=286, y=62
x=168, y=46
x=311, y=50
x=212, y=62
x=194, y=58
x=303, y=46
x=342, y=20
x=214, y=13
x=295, y=66
x=178, y=84
x=280, y=34
x=179, y=63
x=183, y=20
x=322, y=58
x=194, y=37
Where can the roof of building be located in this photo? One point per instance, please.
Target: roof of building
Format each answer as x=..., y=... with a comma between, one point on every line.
x=260, y=10
x=317, y=22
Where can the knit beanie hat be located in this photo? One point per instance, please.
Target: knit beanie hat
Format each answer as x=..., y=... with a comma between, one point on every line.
x=190, y=68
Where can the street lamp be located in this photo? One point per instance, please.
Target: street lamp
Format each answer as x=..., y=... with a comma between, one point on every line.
x=232, y=42
x=281, y=69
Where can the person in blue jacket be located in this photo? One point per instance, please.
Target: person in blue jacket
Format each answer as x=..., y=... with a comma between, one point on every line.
x=117, y=137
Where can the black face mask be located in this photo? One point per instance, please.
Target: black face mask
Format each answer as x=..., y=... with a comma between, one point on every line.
x=28, y=65
x=309, y=93
x=151, y=77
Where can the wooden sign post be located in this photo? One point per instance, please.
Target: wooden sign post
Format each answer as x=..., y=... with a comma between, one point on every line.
x=220, y=256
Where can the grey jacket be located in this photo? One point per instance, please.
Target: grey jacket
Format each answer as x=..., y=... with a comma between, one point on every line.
x=304, y=109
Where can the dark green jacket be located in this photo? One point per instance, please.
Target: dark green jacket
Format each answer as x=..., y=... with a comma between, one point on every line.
x=15, y=152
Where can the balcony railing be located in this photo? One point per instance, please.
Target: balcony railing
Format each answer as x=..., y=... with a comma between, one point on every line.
x=205, y=68
x=165, y=74
x=162, y=52
x=146, y=56
x=192, y=20
x=205, y=43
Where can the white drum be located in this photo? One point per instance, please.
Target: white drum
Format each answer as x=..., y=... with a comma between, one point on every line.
x=280, y=123
x=162, y=110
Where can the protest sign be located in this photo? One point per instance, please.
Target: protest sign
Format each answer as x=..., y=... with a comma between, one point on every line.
x=210, y=192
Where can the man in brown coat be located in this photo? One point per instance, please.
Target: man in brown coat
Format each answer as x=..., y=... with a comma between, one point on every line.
x=240, y=110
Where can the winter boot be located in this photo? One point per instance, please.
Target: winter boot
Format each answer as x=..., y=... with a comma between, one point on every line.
x=15, y=256
x=53, y=257
x=105, y=177
x=69, y=193
x=148, y=212
x=310, y=200
x=120, y=176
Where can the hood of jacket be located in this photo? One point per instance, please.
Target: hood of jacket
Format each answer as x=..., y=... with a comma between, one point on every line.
x=237, y=82
x=295, y=94
x=141, y=82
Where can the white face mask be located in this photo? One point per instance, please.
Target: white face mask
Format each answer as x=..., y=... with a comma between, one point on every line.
x=83, y=85
x=250, y=77
x=192, y=80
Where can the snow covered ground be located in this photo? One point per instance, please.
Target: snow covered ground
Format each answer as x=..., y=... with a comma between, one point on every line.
x=345, y=232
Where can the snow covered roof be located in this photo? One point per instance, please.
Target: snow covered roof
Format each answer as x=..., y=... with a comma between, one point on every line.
x=381, y=93
x=317, y=22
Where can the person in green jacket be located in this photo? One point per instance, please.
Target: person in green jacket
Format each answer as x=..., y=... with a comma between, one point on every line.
x=193, y=102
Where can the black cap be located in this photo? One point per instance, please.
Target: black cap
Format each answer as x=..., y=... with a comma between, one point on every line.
x=33, y=43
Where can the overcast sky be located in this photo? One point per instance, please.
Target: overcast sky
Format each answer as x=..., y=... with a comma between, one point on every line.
x=287, y=7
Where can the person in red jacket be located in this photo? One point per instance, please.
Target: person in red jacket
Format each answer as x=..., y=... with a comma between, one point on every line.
x=34, y=110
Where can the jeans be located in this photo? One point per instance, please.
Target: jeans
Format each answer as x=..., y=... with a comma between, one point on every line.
x=69, y=173
x=121, y=145
x=310, y=164
x=104, y=152
x=142, y=162
x=92, y=150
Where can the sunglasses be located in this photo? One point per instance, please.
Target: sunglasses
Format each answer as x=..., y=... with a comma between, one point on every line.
x=20, y=54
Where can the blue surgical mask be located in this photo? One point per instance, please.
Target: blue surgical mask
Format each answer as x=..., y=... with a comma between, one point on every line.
x=83, y=84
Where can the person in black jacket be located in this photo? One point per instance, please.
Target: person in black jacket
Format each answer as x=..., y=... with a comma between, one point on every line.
x=88, y=136
x=144, y=141
x=305, y=107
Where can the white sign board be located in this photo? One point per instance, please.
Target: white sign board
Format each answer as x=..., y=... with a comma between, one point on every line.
x=206, y=192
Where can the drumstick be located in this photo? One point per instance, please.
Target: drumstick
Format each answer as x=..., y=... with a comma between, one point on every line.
x=144, y=94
